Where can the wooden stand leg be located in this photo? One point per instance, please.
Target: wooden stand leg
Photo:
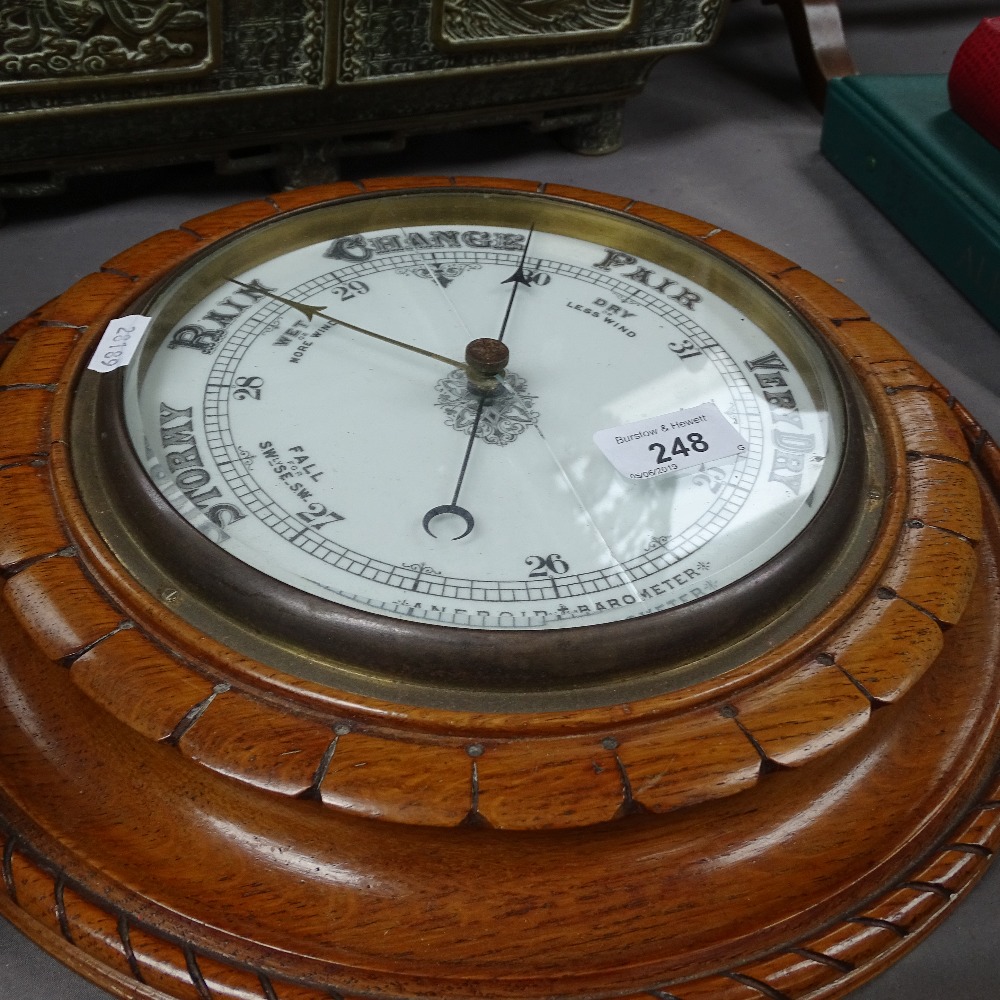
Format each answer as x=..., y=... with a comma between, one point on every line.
x=818, y=40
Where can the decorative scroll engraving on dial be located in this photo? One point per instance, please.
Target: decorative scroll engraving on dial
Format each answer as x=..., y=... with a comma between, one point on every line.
x=492, y=21
x=444, y=273
x=59, y=40
x=507, y=416
x=423, y=569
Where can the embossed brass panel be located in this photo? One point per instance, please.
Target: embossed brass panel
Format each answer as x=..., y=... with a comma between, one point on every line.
x=510, y=22
x=97, y=85
x=392, y=38
x=50, y=45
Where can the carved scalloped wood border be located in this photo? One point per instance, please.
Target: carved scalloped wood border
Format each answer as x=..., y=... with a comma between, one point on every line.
x=557, y=770
x=63, y=902
x=131, y=953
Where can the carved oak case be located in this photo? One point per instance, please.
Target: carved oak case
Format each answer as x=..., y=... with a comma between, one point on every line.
x=181, y=818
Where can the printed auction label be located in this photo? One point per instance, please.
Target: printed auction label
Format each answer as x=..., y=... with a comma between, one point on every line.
x=670, y=442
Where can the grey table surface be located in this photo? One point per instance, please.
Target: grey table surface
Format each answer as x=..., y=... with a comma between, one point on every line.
x=726, y=135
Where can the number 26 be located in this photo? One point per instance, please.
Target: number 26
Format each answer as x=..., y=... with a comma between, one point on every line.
x=550, y=565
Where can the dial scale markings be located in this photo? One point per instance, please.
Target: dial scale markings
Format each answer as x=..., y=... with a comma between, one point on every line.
x=268, y=329
x=578, y=585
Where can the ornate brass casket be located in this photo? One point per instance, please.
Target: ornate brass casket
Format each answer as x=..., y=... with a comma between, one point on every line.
x=100, y=85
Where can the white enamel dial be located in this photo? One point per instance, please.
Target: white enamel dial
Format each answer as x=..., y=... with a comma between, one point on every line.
x=344, y=464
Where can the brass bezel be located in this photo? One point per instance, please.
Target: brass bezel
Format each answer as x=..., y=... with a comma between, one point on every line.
x=415, y=663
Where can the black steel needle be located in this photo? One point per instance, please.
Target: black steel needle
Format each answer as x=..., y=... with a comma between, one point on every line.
x=453, y=507
x=486, y=359
x=477, y=369
x=517, y=279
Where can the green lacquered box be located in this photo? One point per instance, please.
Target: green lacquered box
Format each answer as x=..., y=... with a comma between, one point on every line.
x=934, y=176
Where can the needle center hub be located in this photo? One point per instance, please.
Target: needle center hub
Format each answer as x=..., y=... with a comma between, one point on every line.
x=487, y=358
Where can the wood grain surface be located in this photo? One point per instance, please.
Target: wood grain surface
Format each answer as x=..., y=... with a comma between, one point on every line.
x=179, y=821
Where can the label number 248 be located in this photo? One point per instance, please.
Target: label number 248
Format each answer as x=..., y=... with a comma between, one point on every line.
x=694, y=442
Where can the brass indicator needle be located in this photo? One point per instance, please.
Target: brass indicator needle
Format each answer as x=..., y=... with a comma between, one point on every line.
x=310, y=312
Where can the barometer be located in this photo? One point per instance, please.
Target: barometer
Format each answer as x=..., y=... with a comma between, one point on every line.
x=450, y=587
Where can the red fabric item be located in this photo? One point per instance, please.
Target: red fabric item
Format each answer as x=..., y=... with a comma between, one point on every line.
x=974, y=80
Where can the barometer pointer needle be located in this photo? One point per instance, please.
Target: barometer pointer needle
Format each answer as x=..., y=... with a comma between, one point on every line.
x=311, y=312
x=482, y=366
x=517, y=279
x=453, y=508
x=486, y=361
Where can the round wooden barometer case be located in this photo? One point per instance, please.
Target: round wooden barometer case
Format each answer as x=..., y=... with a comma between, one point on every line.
x=450, y=588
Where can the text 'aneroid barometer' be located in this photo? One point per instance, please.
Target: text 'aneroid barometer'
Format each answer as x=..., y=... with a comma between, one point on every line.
x=451, y=587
